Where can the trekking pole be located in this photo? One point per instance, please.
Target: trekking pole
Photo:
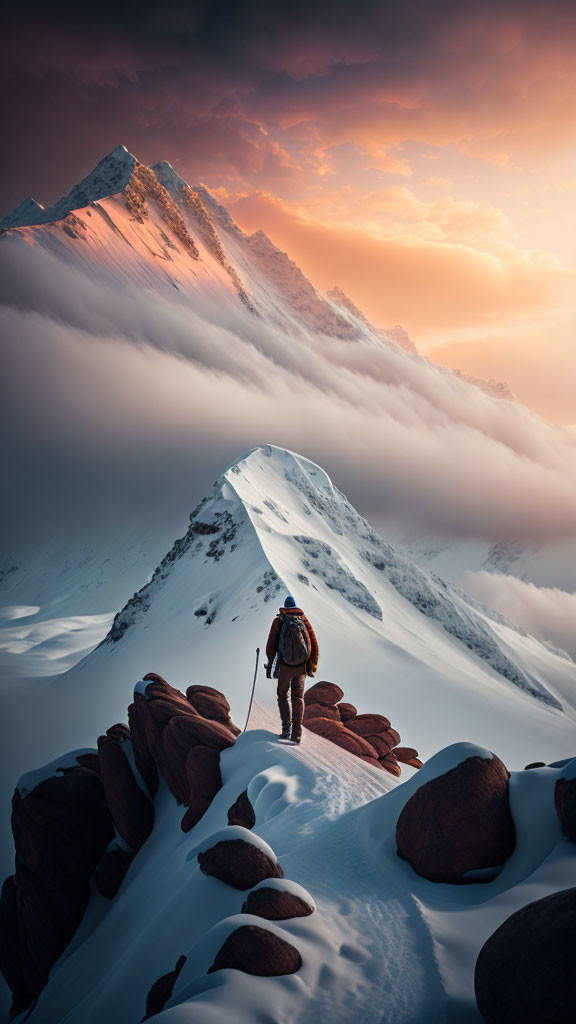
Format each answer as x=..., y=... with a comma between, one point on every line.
x=253, y=688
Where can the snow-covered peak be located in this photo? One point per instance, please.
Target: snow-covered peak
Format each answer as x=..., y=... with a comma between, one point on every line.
x=168, y=177
x=276, y=524
x=27, y=212
x=110, y=176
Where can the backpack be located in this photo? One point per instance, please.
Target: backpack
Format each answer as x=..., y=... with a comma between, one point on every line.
x=294, y=645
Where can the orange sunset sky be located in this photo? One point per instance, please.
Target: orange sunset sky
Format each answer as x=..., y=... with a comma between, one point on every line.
x=422, y=158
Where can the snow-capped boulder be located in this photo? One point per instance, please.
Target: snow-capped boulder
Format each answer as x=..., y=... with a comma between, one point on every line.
x=61, y=830
x=131, y=809
x=111, y=871
x=238, y=861
x=323, y=693
x=459, y=823
x=258, y=951
x=525, y=971
x=204, y=781
x=162, y=989
x=276, y=904
x=242, y=812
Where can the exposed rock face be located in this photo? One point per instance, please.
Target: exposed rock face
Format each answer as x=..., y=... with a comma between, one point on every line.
x=204, y=781
x=242, y=812
x=210, y=703
x=162, y=989
x=275, y=904
x=459, y=822
x=238, y=863
x=525, y=971
x=565, y=801
x=369, y=736
x=257, y=951
x=61, y=830
x=346, y=711
x=111, y=871
x=132, y=811
x=323, y=693
x=534, y=764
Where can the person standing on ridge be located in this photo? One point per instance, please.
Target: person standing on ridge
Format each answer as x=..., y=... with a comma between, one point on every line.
x=292, y=653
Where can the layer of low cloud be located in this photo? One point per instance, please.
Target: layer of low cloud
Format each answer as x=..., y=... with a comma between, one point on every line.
x=544, y=612
x=123, y=402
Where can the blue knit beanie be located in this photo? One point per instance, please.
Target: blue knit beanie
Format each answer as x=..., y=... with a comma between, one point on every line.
x=289, y=602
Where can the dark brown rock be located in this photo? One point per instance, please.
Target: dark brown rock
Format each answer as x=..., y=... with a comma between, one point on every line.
x=565, y=801
x=383, y=743
x=406, y=754
x=61, y=830
x=346, y=711
x=390, y=764
x=89, y=761
x=162, y=989
x=275, y=904
x=371, y=760
x=203, y=780
x=140, y=725
x=210, y=703
x=111, y=871
x=242, y=812
x=323, y=693
x=239, y=863
x=321, y=711
x=370, y=725
x=132, y=811
x=525, y=971
x=257, y=951
x=338, y=733
x=181, y=735
x=534, y=764
x=459, y=822
x=164, y=709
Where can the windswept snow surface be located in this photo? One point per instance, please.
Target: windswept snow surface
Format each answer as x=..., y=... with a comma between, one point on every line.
x=382, y=944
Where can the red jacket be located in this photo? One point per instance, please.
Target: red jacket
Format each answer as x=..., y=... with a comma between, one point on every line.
x=274, y=637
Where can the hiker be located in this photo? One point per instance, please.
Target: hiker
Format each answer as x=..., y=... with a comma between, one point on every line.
x=293, y=645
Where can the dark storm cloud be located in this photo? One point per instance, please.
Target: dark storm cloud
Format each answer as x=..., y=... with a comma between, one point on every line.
x=207, y=85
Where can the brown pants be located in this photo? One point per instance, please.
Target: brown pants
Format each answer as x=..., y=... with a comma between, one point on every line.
x=293, y=678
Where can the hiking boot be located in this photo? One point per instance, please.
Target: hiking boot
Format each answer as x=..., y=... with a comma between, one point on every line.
x=295, y=738
x=285, y=734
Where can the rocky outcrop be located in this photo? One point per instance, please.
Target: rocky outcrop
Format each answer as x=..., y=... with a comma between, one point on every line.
x=276, y=904
x=66, y=829
x=368, y=736
x=565, y=801
x=525, y=971
x=210, y=703
x=242, y=812
x=459, y=823
x=204, y=781
x=131, y=809
x=257, y=951
x=162, y=989
x=112, y=871
x=61, y=830
x=239, y=863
